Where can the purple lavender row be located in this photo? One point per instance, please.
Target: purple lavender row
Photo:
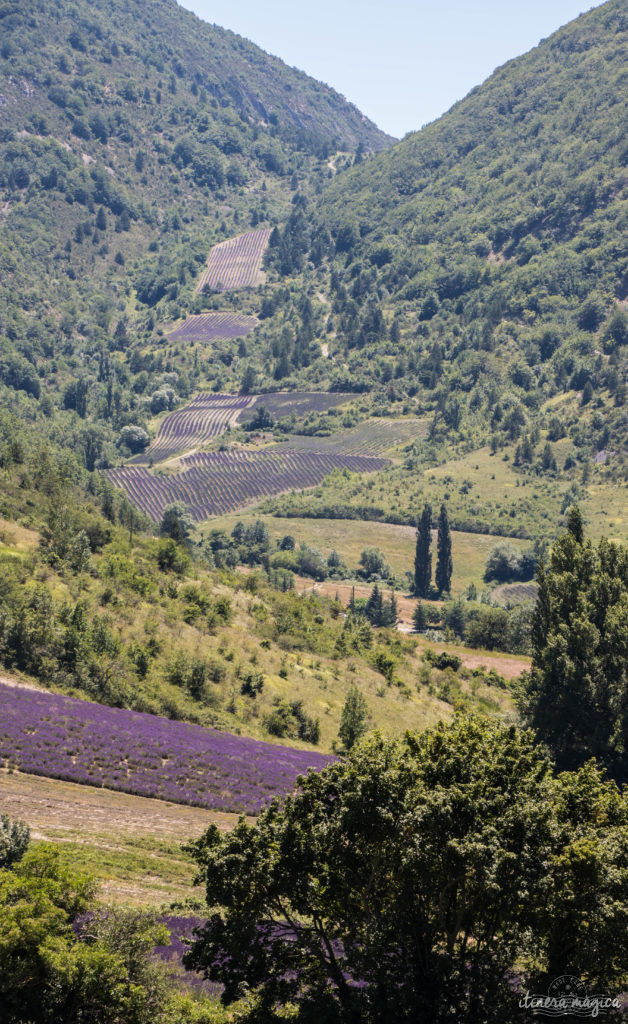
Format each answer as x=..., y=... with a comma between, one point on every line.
x=48, y=734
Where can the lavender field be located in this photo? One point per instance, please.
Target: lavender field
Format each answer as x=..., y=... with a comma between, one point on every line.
x=213, y=483
x=236, y=263
x=298, y=403
x=213, y=326
x=205, y=417
x=64, y=738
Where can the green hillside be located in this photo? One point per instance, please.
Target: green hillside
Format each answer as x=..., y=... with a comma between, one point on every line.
x=132, y=138
x=477, y=270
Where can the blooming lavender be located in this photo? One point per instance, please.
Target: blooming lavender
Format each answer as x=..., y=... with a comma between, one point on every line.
x=65, y=738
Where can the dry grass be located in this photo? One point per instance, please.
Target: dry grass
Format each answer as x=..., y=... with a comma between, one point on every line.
x=130, y=844
x=349, y=537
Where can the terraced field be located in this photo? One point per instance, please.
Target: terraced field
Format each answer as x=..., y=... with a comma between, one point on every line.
x=236, y=263
x=206, y=327
x=208, y=415
x=205, y=417
x=213, y=483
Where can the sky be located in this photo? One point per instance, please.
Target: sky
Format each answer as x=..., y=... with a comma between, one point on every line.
x=402, y=62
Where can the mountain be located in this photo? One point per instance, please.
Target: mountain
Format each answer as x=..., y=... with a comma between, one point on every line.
x=478, y=268
x=133, y=137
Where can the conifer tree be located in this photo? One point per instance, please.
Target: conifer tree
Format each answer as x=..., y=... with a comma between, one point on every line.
x=444, y=565
x=374, y=607
x=419, y=618
x=423, y=555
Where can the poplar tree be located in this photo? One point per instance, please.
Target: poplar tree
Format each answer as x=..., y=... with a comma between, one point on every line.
x=444, y=565
x=423, y=555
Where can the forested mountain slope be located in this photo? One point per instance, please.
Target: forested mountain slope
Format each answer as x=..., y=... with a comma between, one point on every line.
x=479, y=267
x=132, y=138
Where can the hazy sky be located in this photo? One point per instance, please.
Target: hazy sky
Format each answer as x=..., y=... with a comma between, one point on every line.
x=402, y=62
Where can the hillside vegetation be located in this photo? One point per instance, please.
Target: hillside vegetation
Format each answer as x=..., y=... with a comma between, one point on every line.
x=132, y=138
x=476, y=271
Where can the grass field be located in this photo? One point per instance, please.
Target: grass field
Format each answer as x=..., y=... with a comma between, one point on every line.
x=350, y=537
x=130, y=844
x=480, y=489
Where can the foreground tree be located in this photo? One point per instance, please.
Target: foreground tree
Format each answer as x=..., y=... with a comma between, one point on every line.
x=444, y=564
x=576, y=697
x=14, y=839
x=64, y=960
x=409, y=882
x=423, y=555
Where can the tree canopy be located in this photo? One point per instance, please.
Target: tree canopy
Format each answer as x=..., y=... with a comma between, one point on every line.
x=407, y=882
x=576, y=697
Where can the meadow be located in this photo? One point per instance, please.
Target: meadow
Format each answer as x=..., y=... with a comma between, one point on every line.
x=349, y=537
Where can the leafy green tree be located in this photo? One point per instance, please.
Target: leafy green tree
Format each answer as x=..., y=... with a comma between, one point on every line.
x=14, y=840
x=423, y=556
x=576, y=697
x=65, y=961
x=444, y=564
x=412, y=881
x=354, y=718
x=373, y=564
x=176, y=523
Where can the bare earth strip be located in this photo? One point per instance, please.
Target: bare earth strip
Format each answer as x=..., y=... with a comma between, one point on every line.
x=130, y=845
x=51, y=803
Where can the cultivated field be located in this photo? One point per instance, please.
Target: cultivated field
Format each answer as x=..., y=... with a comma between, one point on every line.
x=373, y=437
x=214, y=326
x=209, y=414
x=52, y=735
x=205, y=417
x=212, y=483
x=281, y=404
x=236, y=263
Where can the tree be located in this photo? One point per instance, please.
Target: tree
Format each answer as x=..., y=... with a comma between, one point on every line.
x=414, y=880
x=419, y=618
x=176, y=523
x=135, y=438
x=423, y=557
x=444, y=565
x=374, y=607
x=576, y=697
x=353, y=719
x=248, y=381
x=373, y=564
x=53, y=973
x=14, y=839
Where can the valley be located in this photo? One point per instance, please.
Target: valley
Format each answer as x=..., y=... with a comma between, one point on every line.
x=313, y=530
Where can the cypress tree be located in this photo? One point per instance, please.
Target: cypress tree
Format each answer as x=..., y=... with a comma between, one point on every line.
x=444, y=565
x=423, y=555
